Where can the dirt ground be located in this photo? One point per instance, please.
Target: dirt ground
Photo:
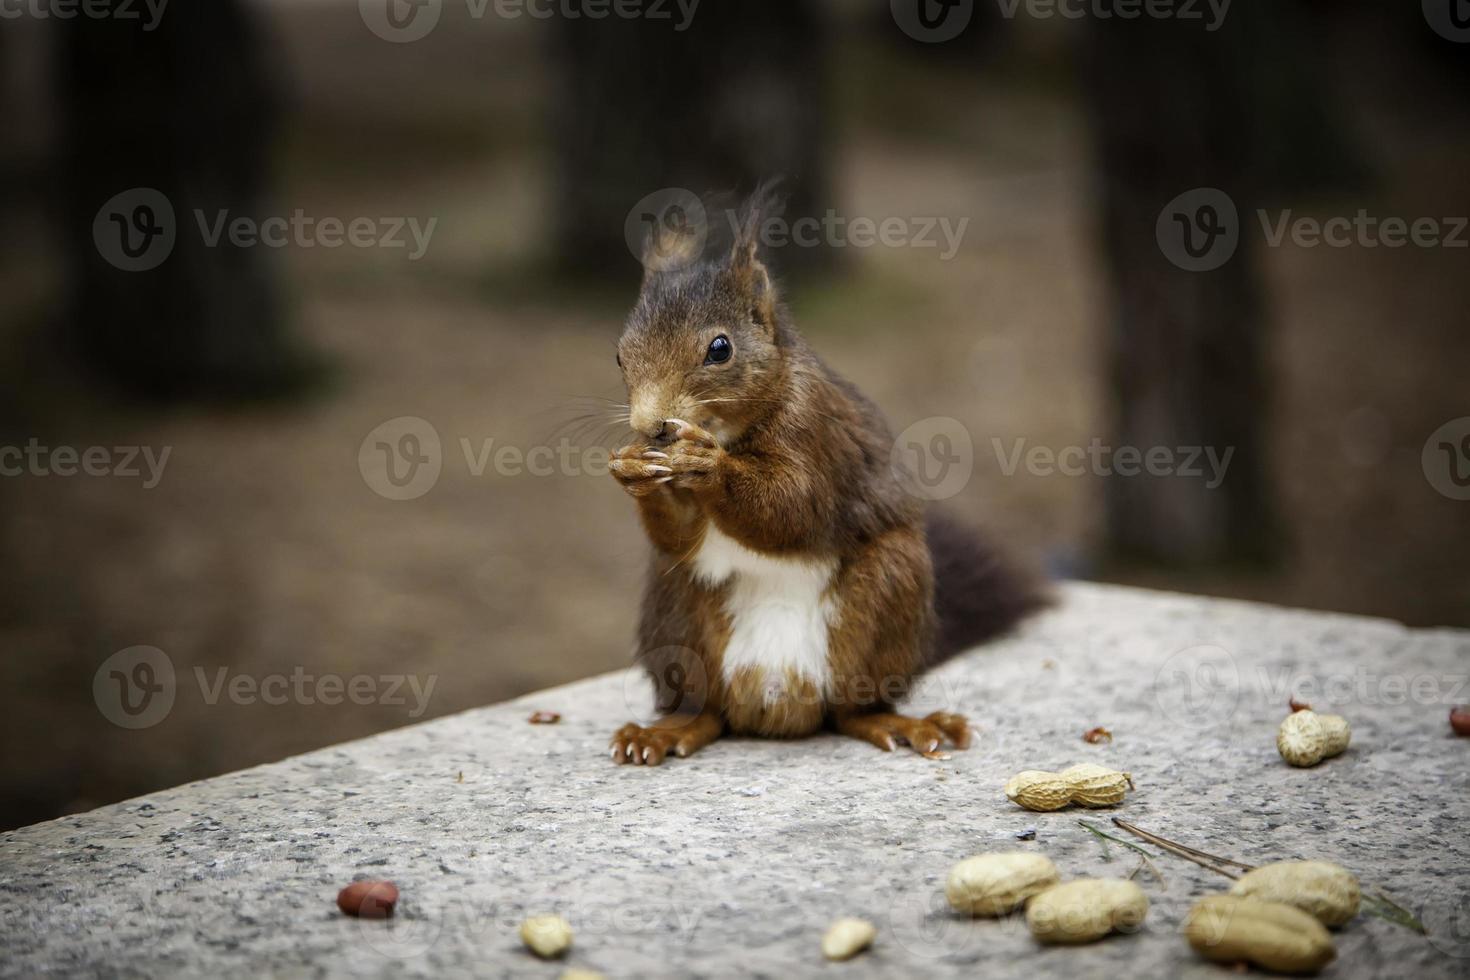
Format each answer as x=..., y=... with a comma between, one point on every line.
x=264, y=551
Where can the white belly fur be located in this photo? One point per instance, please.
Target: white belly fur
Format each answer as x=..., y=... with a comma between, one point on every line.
x=779, y=613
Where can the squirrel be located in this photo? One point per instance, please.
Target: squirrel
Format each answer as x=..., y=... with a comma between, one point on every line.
x=795, y=583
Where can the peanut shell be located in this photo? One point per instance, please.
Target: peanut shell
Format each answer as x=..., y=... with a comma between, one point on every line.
x=846, y=938
x=1323, y=890
x=1339, y=733
x=1094, y=785
x=994, y=884
x=1283, y=938
x=1301, y=739
x=1086, y=910
x=1036, y=790
x=548, y=936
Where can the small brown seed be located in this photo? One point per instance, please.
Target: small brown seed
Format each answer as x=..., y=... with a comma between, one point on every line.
x=994, y=884
x=846, y=938
x=368, y=899
x=1230, y=929
x=548, y=936
x=1460, y=719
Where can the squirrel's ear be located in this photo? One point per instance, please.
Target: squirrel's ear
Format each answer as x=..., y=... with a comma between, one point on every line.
x=746, y=267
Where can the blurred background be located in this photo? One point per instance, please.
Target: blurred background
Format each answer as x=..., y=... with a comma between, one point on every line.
x=137, y=319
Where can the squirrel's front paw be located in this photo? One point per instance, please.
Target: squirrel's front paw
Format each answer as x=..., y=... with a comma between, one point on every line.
x=640, y=470
x=648, y=746
x=695, y=457
x=680, y=735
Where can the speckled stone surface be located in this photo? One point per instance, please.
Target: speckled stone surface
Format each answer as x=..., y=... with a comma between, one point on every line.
x=733, y=862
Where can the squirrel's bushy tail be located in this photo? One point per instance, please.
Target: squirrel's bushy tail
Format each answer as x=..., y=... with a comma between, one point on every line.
x=978, y=592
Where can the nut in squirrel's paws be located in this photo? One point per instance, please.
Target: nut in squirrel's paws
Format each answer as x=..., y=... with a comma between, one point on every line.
x=640, y=469
x=694, y=456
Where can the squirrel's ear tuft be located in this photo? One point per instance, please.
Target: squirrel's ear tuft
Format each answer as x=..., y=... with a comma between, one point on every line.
x=745, y=263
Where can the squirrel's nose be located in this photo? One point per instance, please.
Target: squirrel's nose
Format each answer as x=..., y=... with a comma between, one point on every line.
x=649, y=426
x=649, y=410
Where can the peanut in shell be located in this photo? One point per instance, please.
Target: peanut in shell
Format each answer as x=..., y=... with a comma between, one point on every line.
x=993, y=884
x=1094, y=785
x=1301, y=739
x=1037, y=790
x=1339, y=733
x=1325, y=891
x=1271, y=935
x=846, y=938
x=1086, y=910
x=548, y=936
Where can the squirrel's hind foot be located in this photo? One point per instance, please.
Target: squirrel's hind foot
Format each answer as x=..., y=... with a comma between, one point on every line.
x=923, y=735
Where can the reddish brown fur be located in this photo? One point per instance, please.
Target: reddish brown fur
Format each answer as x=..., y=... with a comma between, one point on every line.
x=789, y=459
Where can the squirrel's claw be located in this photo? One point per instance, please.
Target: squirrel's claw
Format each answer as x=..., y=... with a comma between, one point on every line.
x=691, y=433
x=954, y=727
x=695, y=458
x=641, y=746
x=631, y=466
x=649, y=746
x=924, y=736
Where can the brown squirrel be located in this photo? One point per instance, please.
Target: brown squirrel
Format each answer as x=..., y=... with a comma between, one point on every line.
x=795, y=582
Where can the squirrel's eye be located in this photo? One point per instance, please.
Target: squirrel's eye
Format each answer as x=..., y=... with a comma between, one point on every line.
x=719, y=350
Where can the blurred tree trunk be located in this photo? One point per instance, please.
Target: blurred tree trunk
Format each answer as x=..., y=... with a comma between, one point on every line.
x=733, y=99
x=188, y=111
x=1173, y=111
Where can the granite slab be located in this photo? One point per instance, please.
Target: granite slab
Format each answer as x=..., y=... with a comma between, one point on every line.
x=733, y=862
